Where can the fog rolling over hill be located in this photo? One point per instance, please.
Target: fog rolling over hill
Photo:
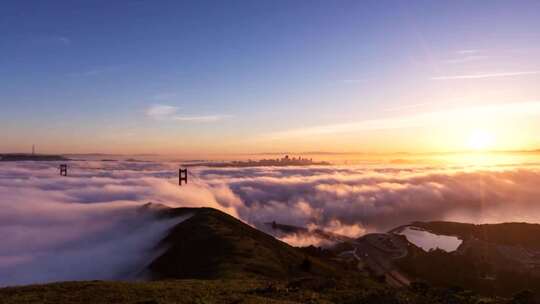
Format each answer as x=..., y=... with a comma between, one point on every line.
x=211, y=256
x=100, y=212
x=214, y=245
x=178, y=246
x=118, y=240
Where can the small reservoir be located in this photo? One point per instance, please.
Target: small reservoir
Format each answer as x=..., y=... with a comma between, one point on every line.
x=427, y=240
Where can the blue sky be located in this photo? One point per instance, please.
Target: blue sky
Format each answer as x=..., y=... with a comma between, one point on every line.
x=194, y=77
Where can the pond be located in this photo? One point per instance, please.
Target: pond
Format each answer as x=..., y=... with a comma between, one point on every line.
x=427, y=240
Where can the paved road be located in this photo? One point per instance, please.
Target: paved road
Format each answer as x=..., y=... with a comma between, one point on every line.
x=379, y=262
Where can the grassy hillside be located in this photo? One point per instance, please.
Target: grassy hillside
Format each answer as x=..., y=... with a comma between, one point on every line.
x=212, y=244
x=186, y=291
x=232, y=291
x=491, y=261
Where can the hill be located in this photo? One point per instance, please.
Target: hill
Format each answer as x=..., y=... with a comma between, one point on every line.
x=31, y=157
x=493, y=259
x=512, y=234
x=211, y=244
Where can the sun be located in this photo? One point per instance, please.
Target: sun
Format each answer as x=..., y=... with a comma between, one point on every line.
x=480, y=140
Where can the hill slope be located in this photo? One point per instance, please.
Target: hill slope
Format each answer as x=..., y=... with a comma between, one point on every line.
x=228, y=292
x=211, y=244
x=493, y=259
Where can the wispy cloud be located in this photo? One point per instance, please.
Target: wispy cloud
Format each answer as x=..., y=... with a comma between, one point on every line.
x=164, y=96
x=409, y=106
x=166, y=112
x=161, y=111
x=63, y=40
x=468, y=51
x=365, y=125
x=464, y=59
x=413, y=120
x=486, y=75
x=51, y=40
x=465, y=55
x=95, y=71
x=350, y=81
x=201, y=118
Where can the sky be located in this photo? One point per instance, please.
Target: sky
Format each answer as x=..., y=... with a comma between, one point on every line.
x=219, y=77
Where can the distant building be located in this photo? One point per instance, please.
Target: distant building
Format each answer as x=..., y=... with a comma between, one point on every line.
x=277, y=162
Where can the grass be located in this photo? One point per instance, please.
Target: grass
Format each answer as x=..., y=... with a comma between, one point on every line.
x=307, y=290
x=183, y=291
x=174, y=291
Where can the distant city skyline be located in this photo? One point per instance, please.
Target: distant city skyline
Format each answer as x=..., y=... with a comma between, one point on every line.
x=225, y=78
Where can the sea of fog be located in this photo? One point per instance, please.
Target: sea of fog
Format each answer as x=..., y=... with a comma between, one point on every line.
x=86, y=225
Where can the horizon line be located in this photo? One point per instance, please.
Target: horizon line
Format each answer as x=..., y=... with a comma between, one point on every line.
x=322, y=153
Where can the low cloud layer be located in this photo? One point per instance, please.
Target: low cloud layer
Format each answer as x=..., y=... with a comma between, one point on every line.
x=87, y=225
x=378, y=199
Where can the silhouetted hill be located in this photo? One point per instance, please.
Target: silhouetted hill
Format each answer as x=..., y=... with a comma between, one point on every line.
x=31, y=157
x=493, y=259
x=212, y=244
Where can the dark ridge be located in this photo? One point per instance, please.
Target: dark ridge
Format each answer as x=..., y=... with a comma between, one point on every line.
x=31, y=157
x=212, y=244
